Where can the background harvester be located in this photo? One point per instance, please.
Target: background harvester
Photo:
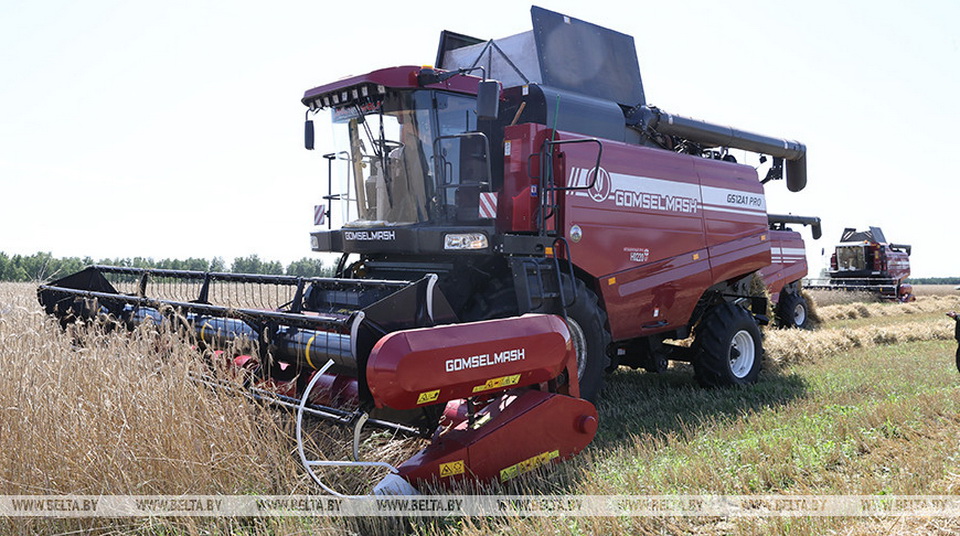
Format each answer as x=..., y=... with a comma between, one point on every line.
x=865, y=261
x=505, y=240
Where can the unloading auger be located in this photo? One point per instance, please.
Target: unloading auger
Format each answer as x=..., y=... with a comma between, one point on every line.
x=388, y=354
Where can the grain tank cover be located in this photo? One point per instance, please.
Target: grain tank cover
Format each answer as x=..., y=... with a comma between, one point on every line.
x=560, y=52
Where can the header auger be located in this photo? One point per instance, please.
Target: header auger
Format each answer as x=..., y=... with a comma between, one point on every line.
x=505, y=241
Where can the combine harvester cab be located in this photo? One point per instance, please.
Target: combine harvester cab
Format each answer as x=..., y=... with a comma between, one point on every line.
x=864, y=261
x=788, y=267
x=505, y=239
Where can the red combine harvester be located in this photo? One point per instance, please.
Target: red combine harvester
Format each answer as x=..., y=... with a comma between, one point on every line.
x=787, y=269
x=506, y=240
x=865, y=261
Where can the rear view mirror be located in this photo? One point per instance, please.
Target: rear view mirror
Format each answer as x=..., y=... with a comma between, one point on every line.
x=488, y=100
x=308, y=134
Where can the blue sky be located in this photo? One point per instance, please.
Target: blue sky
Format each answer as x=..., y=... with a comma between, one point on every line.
x=174, y=129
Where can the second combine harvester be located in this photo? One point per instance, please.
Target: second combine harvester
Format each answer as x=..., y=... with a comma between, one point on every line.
x=508, y=237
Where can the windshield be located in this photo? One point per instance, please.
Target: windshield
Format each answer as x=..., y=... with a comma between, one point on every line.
x=386, y=156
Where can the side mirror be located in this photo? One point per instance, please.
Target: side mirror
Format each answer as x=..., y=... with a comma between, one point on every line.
x=308, y=134
x=488, y=100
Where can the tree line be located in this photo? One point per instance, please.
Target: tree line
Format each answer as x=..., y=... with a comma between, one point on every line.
x=934, y=280
x=44, y=266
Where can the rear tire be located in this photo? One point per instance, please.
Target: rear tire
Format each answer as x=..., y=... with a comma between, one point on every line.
x=793, y=311
x=587, y=323
x=729, y=349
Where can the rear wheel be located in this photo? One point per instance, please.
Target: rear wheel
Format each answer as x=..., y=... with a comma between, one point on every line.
x=729, y=350
x=793, y=311
x=587, y=323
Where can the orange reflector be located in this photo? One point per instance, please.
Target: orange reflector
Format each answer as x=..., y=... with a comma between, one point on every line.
x=696, y=256
x=763, y=237
x=548, y=251
x=612, y=281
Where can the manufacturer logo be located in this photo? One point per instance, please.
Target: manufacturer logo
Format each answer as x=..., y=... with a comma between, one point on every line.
x=632, y=191
x=484, y=360
x=601, y=186
x=370, y=235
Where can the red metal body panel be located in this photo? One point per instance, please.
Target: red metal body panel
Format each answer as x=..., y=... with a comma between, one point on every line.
x=658, y=228
x=416, y=367
x=523, y=431
x=335, y=390
x=898, y=264
x=788, y=262
x=404, y=77
x=518, y=200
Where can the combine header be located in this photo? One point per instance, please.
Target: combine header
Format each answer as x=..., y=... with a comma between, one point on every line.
x=506, y=239
x=865, y=261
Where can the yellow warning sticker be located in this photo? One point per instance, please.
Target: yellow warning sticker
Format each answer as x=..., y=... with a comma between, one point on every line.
x=451, y=468
x=528, y=465
x=428, y=396
x=498, y=383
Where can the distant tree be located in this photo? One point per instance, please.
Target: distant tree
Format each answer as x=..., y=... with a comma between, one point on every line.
x=254, y=265
x=307, y=267
x=934, y=280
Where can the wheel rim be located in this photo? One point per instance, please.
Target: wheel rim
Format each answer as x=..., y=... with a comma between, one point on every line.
x=799, y=315
x=743, y=352
x=580, y=345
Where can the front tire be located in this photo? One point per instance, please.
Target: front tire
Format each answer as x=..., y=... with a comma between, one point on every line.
x=729, y=349
x=587, y=324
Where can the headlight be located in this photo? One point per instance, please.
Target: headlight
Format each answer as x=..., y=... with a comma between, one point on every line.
x=465, y=241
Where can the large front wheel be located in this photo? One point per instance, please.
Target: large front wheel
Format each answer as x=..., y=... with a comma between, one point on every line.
x=587, y=323
x=729, y=349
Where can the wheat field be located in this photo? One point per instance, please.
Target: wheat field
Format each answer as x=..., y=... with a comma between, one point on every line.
x=88, y=412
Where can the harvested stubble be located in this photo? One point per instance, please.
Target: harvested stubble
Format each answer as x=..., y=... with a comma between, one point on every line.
x=923, y=305
x=796, y=346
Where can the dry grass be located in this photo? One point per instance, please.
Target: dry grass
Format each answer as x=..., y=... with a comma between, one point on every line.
x=88, y=412
x=841, y=297
x=931, y=303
